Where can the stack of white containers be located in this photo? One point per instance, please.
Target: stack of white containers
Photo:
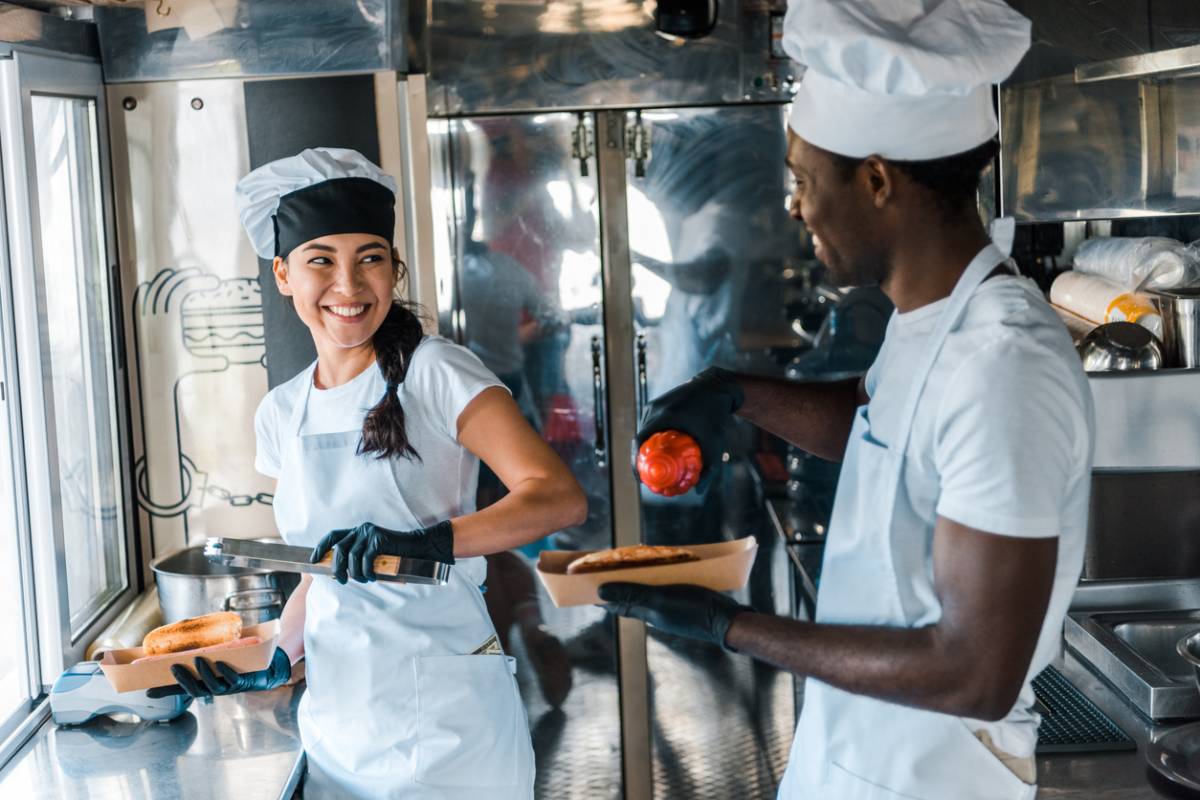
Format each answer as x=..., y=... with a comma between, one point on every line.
x=1113, y=277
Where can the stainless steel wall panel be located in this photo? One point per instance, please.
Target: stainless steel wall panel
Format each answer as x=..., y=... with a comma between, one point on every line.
x=568, y=54
x=194, y=327
x=520, y=284
x=227, y=38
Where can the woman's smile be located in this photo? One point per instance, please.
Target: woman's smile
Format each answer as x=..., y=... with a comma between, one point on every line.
x=348, y=312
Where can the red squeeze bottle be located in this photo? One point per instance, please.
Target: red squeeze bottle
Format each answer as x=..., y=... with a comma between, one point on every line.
x=669, y=463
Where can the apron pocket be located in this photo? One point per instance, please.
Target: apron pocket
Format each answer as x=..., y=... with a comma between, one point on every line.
x=470, y=722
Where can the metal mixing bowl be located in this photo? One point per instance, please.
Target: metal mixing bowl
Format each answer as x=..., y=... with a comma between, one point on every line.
x=1120, y=346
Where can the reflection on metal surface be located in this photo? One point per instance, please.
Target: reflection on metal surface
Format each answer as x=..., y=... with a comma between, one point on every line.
x=264, y=37
x=1160, y=63
x=1146, y=421
x=709, y=229
x=516, y=237
x=1100, y=150
x=195, y=310
x=596, y=54
x=240, y=746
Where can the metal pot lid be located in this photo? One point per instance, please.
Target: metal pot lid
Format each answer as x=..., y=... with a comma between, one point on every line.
x=191, y=563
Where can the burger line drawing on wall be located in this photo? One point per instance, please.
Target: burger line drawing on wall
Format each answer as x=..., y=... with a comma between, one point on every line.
x=201, y=370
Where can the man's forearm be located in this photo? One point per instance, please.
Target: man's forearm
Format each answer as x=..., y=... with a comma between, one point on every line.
x=814, y=416
x=908, y=666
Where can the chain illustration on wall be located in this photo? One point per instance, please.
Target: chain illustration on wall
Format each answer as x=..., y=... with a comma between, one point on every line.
x=201, y=356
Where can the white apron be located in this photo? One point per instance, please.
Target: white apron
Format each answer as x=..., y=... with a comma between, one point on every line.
x=394, y=708
x=851, y=747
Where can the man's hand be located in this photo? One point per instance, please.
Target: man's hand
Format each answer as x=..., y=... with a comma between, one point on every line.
x=701, y=408
x=682, y=610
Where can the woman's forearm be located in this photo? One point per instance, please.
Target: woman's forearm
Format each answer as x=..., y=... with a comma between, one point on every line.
x=291, y=622
x=533, y=508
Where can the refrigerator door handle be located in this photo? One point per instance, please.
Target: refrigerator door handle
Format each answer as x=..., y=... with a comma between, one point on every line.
x=601, y=445
x=641, y=372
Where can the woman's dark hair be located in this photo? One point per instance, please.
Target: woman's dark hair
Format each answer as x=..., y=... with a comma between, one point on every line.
x=954, y=180
x=383, y=430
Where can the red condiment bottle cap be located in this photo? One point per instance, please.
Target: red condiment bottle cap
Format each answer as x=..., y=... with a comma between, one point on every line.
x=669, y=463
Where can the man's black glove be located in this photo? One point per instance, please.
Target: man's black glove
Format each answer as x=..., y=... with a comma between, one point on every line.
x=354, y=549
x=229, y=681
x=701, y=408
x=680, y=609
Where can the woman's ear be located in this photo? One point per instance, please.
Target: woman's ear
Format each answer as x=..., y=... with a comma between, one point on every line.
x=280, y=268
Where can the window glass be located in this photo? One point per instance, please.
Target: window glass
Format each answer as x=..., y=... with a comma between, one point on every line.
x=77, y=359
x=13, y=684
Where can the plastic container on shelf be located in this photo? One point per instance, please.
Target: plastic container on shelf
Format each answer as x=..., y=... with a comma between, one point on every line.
x=1101, y=300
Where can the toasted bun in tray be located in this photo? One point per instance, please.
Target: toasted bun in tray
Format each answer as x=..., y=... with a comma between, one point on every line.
x=637, y=555
x=193, y=633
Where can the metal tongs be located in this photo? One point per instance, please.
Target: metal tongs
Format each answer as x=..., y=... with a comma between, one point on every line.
x=288, y=558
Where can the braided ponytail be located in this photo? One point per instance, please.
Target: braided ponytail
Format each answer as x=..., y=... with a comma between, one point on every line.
x=383, y=429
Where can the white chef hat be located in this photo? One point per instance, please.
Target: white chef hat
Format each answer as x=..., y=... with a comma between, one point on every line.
x=319, y=192
x=908, y=80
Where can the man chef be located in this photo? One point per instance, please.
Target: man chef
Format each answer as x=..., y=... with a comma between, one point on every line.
x=958, y=530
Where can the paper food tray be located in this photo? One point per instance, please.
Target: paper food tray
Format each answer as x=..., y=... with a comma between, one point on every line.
x=722, y=567
x=127, y=677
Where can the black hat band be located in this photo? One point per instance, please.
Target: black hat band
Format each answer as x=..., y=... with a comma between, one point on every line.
x=338, y=205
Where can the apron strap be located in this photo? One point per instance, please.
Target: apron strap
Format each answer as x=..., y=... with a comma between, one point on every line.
x=297, y=417
x=976, y=272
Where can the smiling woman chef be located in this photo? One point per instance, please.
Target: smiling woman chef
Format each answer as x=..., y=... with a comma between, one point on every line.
x=376, y=448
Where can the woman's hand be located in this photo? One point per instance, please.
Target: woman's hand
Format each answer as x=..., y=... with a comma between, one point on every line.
x=355, y=549
x=228, y=681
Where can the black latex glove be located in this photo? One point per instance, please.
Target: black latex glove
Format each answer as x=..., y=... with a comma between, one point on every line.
x=679, y=609
x=226, y=679
x=701, y=408
x=354, y=549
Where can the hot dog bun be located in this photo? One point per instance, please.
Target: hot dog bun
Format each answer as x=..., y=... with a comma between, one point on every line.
x=637, y=555
x=245, y=641
x=189, y=634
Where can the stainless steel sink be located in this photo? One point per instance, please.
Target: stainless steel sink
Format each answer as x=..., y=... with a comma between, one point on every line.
x=1135, y=651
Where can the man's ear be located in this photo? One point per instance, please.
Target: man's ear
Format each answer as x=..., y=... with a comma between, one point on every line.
x=879, y=178
x=280, y=268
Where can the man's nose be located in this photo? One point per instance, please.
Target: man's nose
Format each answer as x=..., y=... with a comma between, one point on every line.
x=795, y=209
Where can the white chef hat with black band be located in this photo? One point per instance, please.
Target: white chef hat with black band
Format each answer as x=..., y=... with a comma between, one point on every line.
x=319, y=192
x=908, y=81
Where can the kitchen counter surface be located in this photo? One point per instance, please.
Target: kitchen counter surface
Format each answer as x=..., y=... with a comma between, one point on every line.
x=1105, y=776
x=243, y=746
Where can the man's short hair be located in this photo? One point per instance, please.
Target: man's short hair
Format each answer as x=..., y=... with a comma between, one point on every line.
x=954, y=180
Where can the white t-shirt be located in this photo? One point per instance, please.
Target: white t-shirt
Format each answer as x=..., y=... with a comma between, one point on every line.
x=1001, y=442
x=442, y=379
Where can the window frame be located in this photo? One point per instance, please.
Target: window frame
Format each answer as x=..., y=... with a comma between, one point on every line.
x=23, y=74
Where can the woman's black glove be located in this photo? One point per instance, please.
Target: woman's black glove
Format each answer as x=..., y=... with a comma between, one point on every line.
x=229, y=681
x=691, y=611
x=701, y=408
x=355, y=549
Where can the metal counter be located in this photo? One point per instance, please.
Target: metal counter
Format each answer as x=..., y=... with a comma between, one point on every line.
x=243, y=746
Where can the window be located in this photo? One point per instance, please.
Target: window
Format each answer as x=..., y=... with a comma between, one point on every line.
x=14, y=660
x=64, y=484
x=77, y=352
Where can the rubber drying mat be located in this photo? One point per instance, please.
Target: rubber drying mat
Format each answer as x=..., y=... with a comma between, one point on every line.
x=1070, y=722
